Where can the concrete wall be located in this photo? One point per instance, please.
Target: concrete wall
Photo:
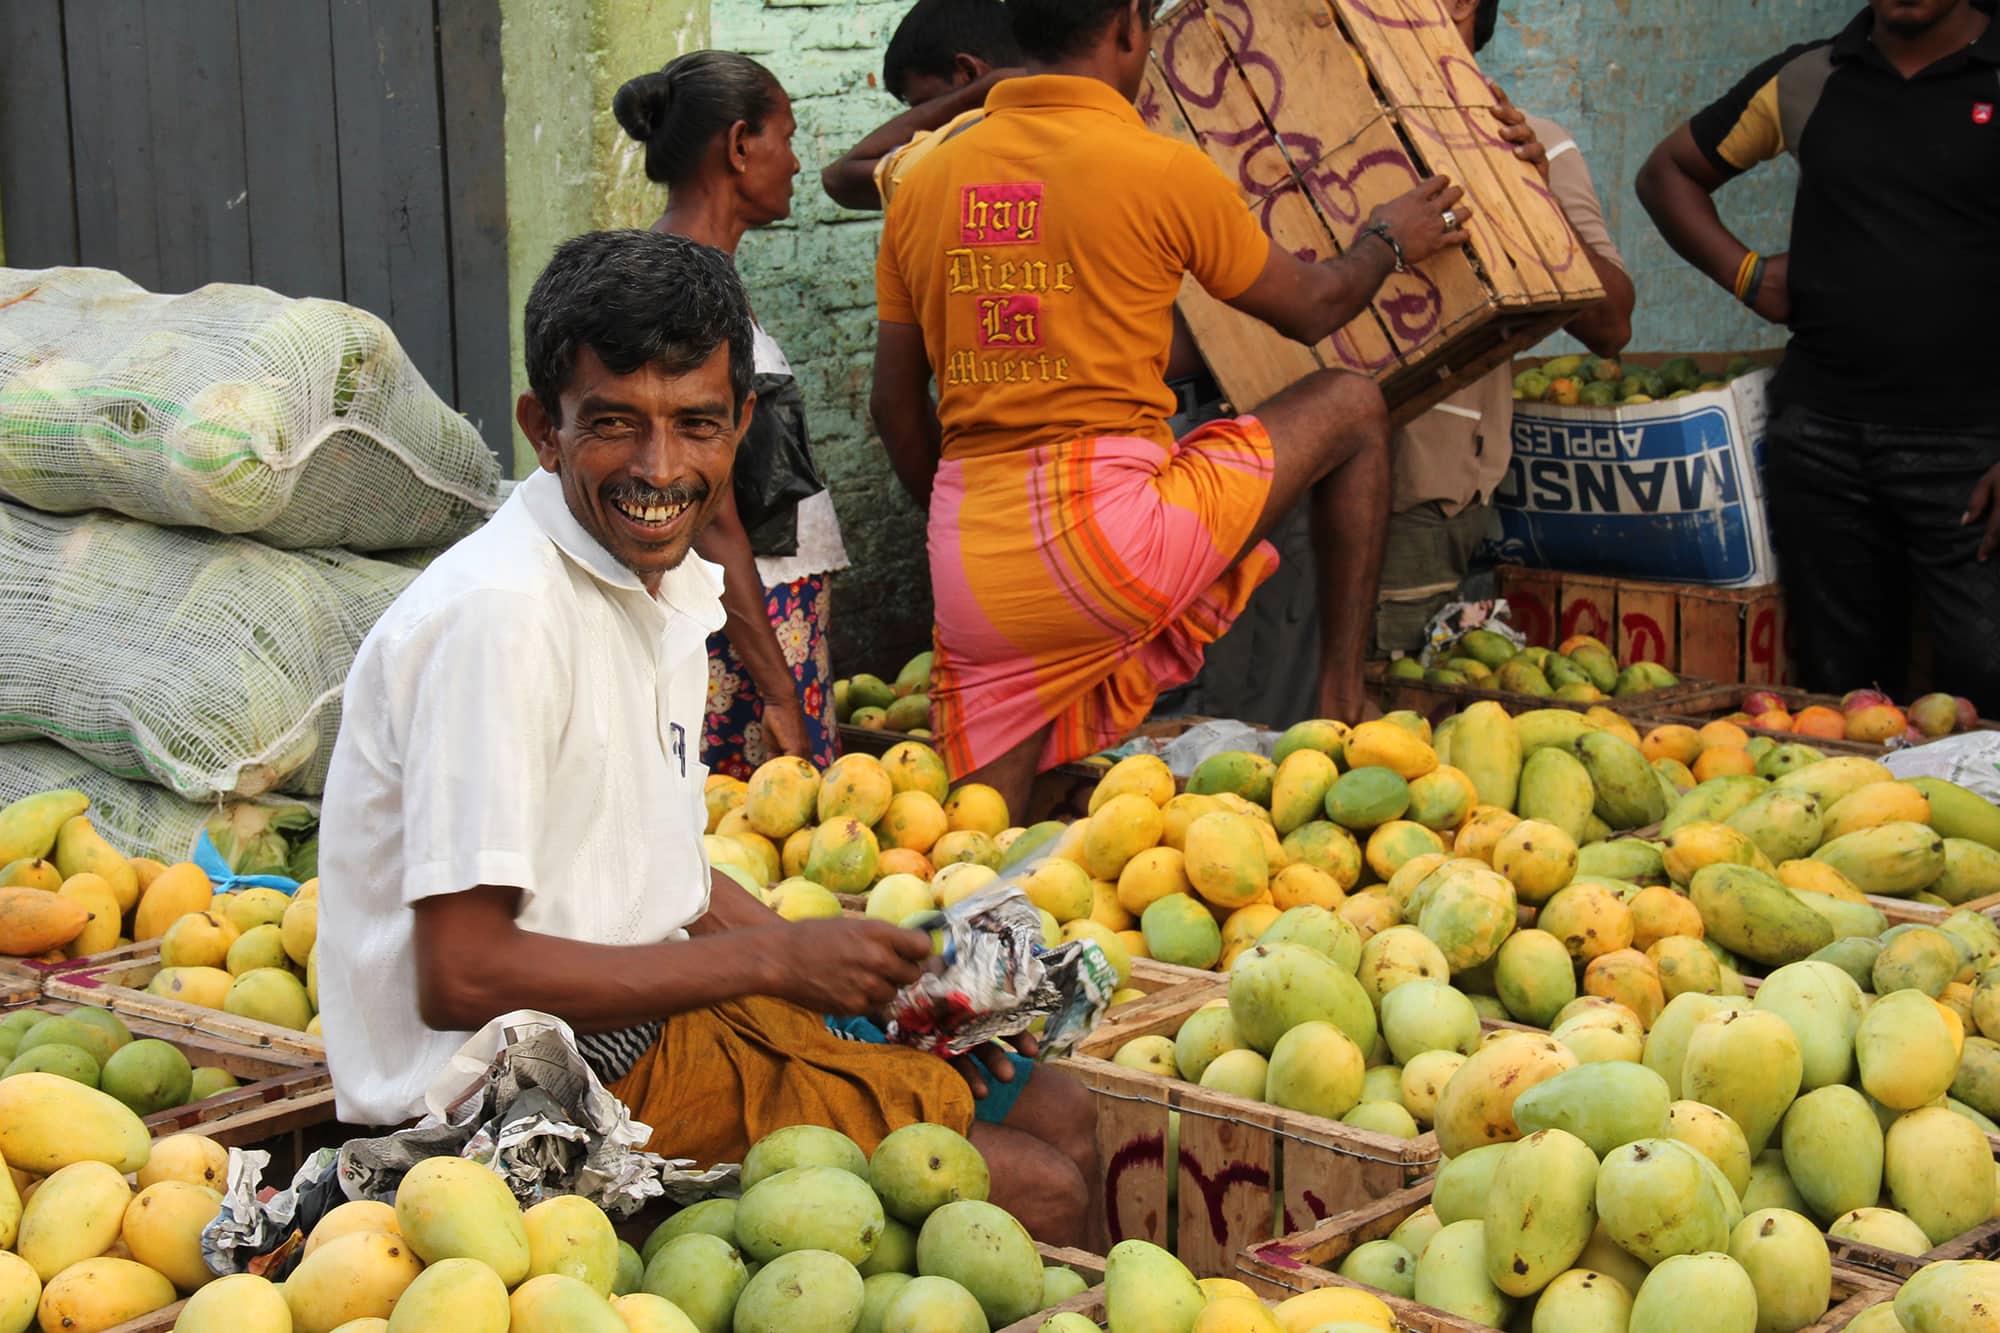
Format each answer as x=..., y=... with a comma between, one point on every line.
x=1617, y=73
x=570, y=169
x=1618, y=76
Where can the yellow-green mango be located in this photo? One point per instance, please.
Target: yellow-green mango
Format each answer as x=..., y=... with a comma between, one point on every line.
x=1848, y=920
x=716, y=1217
x=1315, y=1068
x=1957, y=812
x=1657, y=1199
x=1771, y=1186
x=1557, y=790
x=1833, y=779
x=1977, y=936
x=239, y=1303
x=1298, y=791
x=1604, y=1104
x=355, y=1276
x=48, y=1122
x=1714, y=801
x=1625, y=859
x=983, y=1249
x=552, y=1303
x=1716, y=1137
x=1451, y=1276
x=1746, y=1065
x=1583, y=1301
x=75, y=1214
x=1977, y=1082
x=1206, y=1034
x=1629, y=795
x=100, y=1294
x=1834, y=1151
x=1275, y=987
x=1823, y=1006
x=1919, y=958
x=452, y=1208
x=933, y=1303
x=647, y=1313
x=809, y=1208
x=1535, y=976
x=1971, y=870
x=1891, y=860
x=1711, y=1287
x=1383, y=1265
x=571, y=1235
x=1751, y=913
x=1477, y=1106
x=1938, y=1168
x=1883, y=1228
x=1421, y=1016
x=1469, y=915
x=1486, y=747
x=1878, y=1318
x=1147, y=1290
x=1464, y=1183
x=461, y=1294
x=1784, y=823
x=702, y=1275
x=1787, y=1262
x=1905, y=1049
x=1415, y=1231
x=1319, y=930
x=1956, y=1296
x=30, y=826
x=1540, y=1211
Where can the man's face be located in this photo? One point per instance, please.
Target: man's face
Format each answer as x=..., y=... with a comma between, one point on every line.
x=644, y=458
x=1912, y=18
x=920, y=86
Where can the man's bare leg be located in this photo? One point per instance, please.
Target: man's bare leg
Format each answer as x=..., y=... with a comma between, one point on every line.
x=1013, y=774
x=1037, y=1183
x=1330, y=433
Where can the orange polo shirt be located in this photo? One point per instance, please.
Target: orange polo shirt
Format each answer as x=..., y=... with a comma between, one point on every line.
x=1041, y=251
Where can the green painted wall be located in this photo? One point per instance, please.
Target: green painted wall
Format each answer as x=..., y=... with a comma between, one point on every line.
x=569, y=167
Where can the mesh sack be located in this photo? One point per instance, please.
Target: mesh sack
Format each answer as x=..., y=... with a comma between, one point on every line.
x=210, y=665
x=264, y=836
x=231, y=408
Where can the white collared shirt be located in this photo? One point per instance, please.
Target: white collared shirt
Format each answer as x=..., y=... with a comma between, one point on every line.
x=524, y=715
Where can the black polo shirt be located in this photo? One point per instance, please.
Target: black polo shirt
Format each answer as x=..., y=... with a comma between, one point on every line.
x=1895, y=250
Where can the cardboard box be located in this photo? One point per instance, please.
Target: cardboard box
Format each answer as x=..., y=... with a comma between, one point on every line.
x=1324, y=109
x=1669, y=490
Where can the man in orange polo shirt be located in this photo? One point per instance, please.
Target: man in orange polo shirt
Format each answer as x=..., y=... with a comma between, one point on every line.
x=1081, y=558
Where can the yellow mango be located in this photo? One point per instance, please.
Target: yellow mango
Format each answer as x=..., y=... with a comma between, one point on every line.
x=30, y=826
x=1144, y=775
x=451, y=1208
x=1122, y=828
x=75, y=1215
x=192, y=1159
x=48, y=1122
x=20, y=1292
x=10, y=1212
x=240, y=1303
x=93, y=895
x=1226, y=861
x=31, y=873
x=205, y=986
x=353, y=1277
x=102, y=1293
x=356, y=1216
x=1333, y=1305
x=463, y=1295
x=34, y=921
x=162, y=1228
x=573, y=1237
x=300, y=929
x=1875, y=804
x=173, y=893
x=1237, y=1314
x=555, y=1304
x=80, y=850
x=1382, y=744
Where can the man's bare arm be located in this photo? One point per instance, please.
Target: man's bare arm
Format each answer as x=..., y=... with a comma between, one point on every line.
x=474, y=963
x=905, y=416
x=850, y=182
x=1677, y=185
x=1606, y=327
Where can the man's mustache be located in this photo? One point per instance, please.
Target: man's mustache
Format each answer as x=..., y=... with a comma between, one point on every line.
x=638, y=494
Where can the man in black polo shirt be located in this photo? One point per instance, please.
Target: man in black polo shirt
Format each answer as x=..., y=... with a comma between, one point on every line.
x=1883, y=460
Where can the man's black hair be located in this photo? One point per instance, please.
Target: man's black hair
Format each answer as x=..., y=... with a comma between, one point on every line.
x=1052, y=30
x=935, y=33
x=677, y=111
x=1483, y=24
x=635, y=298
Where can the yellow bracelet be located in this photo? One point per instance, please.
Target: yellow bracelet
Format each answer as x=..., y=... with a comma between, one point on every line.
x=1743, y=272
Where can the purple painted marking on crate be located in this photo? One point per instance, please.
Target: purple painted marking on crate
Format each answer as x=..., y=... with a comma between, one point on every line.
x=1214, y=1189
x=1150, y=1150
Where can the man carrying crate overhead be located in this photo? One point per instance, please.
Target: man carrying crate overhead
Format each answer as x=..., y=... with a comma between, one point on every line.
x=1445, y=465
x=513, y=817
x=1081, y=557
x=1882, y=464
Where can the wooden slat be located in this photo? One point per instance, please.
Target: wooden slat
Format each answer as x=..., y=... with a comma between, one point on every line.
x=1588, y=606
x=1533, y=595
x=194, y=101
x=394, y=233
x=1649, y=626
x=1228, y=1174
x=116, y=183
x=36, y=186
x=120, y=987
x=476, y=168
x=291, y=147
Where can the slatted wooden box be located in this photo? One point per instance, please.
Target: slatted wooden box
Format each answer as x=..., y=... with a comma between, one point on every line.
x=121, y=987
x=1324, y=109
x=1721, y=634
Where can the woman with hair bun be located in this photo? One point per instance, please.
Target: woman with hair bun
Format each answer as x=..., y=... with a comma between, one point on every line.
x=718, y=128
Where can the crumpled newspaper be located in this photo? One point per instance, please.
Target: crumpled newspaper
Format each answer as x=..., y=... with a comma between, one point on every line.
x=1971, y=759
x=1460, y=618
x=991, y=976
x=1184, y=753
x=517, y=1096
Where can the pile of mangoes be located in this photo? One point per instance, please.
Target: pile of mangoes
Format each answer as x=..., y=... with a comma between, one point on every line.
x=1582, y=670
x=93, y=1047
x=1861, y=715
x=1595, y=381
x=903, y=704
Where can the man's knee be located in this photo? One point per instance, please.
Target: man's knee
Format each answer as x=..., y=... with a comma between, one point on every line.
x=1354, y=401
x=1069, y=1117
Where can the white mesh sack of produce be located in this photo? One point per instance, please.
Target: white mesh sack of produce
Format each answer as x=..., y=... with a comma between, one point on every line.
x=268, y=835
x=299, y=422
x=210, y=664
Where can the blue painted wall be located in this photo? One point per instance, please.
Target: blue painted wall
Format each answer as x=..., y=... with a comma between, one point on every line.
x=1619, y=74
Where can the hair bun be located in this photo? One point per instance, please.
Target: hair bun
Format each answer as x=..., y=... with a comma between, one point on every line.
x=641, y=105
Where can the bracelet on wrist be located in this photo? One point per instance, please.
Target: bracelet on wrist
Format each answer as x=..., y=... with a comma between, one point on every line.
x=1753, y=284
x=1381, y=229
x=1745, y=272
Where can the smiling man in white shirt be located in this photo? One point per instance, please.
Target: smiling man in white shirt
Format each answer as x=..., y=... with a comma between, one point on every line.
x=514, y=813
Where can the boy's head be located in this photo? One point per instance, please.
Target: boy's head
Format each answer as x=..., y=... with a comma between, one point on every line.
x=945, y=44
x=1052, y=32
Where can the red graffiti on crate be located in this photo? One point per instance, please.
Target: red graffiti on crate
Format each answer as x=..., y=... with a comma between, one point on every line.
x=1530, y=615
x=1582, y=617
x=1146, y=1151
x=1150, y=1151
x=1645, y=641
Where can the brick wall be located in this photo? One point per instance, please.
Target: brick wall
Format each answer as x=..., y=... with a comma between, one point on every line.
x=1616, y=73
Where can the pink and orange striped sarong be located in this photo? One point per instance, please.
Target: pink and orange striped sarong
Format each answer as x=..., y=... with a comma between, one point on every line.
x=1075, y=582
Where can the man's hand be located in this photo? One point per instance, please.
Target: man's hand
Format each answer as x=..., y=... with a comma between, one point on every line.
x=991, y=1060
x=1774, y=294
x=1514, y=128
x=1417, y=219
x=844, y=967
x=785, y=727
x=1985, y=505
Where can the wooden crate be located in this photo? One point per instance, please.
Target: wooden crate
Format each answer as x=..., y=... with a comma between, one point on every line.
x=1244, y=1171
x=38, y=971
x=159, y=1321
x=1089, y=1266
x=1323, y=110
x=281, y=1091
x=1438, y=701
x=1726, y=700
x=1720, y=634
x=121, y=987
x=1279, y=1269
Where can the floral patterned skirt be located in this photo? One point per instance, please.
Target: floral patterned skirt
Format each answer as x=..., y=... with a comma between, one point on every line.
x=733, y=740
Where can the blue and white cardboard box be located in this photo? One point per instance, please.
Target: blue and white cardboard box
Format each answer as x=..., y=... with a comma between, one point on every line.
x=1671, y=491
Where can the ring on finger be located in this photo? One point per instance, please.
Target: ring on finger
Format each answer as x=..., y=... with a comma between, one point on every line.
x=1450, y=220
